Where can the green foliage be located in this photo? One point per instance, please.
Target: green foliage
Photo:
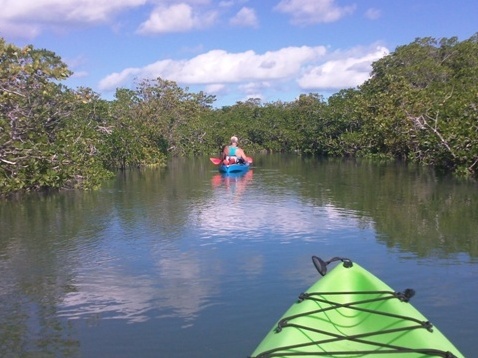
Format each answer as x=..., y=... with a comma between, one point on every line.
x=47, y=141
x=420, y=104
x=172, y=115
x=127, y=143
x=422, y=100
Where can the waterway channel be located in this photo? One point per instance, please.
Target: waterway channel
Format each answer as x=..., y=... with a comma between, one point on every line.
x=184, y=262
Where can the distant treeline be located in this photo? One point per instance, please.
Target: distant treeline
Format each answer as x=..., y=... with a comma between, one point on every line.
x=420, y=105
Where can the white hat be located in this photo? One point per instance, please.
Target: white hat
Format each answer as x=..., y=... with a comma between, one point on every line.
x=234, y=139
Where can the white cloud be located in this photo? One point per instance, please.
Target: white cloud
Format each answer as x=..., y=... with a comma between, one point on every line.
x=59, y=11
x=312, y=68
x=219, y=67
x=215, y=88
x=373, y=14
x=115, y=80
x=345, y=70
x=226, y=3
x=245, y=17
x=33, y=15
x=306, y=12
x=80, y=74
x=254, y=90
x=19, y=30
x=176, y=18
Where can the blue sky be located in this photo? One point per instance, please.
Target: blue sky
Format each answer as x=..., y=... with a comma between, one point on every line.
x=274, y=50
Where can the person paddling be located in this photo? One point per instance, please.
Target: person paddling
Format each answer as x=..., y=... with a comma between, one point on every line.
x=232, y=153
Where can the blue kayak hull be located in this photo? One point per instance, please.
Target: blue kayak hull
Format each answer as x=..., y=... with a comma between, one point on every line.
x=234, y=168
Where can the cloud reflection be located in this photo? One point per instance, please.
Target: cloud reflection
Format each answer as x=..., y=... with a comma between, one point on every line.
x=180, y=286
x=291, y=219
x=151, y=280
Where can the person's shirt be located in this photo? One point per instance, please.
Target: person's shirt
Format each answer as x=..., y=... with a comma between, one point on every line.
x=232, y=150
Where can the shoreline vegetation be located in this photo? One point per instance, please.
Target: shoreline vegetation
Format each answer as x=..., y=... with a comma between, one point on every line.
x=419, y=105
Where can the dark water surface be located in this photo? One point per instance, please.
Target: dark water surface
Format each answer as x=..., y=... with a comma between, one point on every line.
x=181, y=262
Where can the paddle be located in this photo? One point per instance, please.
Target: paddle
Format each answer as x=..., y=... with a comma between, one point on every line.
x=215, y=161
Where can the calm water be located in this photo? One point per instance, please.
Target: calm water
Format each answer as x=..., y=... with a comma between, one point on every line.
x=182, y=262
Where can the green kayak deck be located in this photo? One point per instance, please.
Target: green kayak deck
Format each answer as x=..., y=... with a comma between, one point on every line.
x=351, y=313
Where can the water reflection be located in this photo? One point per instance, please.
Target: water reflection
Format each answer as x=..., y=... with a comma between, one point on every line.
x=241, y=209
x=173, y=286
x=235, y=183
x=186, y=247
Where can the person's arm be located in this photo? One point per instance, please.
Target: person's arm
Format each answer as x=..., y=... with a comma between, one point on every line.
x=225, y=152
x=240, y=153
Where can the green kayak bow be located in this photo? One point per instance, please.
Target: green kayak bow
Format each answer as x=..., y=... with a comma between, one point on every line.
x=351, y=313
